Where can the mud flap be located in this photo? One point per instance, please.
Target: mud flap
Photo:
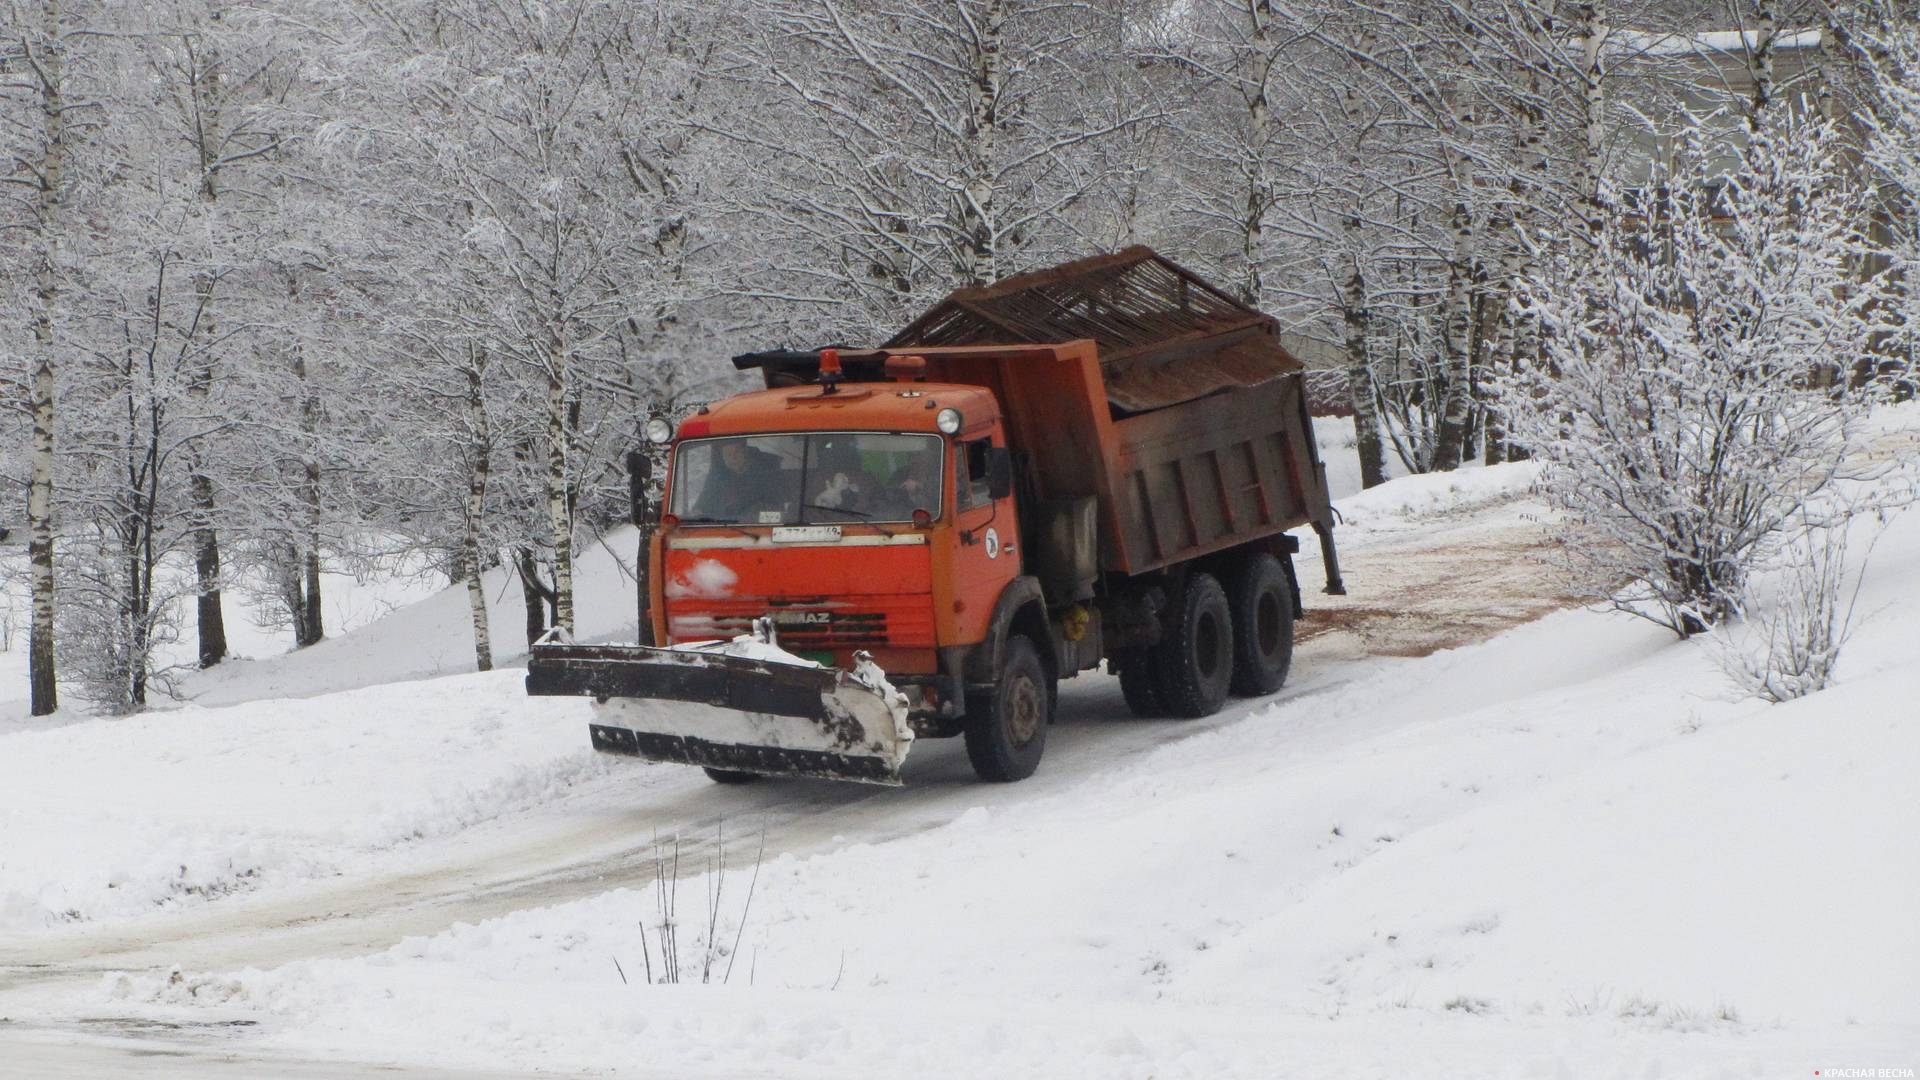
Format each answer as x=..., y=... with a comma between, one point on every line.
x=747, y=713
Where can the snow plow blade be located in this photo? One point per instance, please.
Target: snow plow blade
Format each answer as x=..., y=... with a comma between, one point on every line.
x=747, y=713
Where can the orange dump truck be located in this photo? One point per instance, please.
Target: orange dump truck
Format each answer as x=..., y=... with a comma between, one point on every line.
x=1096, y=462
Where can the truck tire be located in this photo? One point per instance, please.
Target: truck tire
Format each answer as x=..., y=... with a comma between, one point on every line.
x=729, y=776
x=1195, y=659
x=1140, y=683
x=1262, y=603
x=1007, y=728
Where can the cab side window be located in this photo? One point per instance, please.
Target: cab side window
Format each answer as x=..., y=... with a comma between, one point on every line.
x=970, y=461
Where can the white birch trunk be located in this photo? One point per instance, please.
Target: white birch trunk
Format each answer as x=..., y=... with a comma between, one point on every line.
x=1589, y=32
x=1253, y=229
x=1366, y=412
x=1367, y=443
x=977, y=208
x=479, y=440
x=1760, y=57
x=49, y=224
x=559, y=510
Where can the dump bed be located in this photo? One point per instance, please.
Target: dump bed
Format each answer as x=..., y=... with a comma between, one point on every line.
x=1127, y=379
x=1191, y=425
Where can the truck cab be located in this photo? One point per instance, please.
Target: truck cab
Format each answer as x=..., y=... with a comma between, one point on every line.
x=866, y=516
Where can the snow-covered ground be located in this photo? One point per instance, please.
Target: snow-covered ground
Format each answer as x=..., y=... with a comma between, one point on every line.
x=1565, y=849
x=1536, y=853
x=113, y=817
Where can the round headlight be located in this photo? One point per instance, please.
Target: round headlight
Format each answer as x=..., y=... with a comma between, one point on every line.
x=659, y=431
x=947, y=420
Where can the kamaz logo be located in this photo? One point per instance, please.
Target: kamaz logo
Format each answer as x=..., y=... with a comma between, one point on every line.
x=802, y=618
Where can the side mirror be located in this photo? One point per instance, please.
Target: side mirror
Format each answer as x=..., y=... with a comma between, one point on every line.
x=639, y=471
x=999, y=472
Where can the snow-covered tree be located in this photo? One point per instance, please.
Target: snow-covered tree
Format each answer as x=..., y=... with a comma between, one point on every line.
x=1683, y=416
x=908, y=147
x=44, y=63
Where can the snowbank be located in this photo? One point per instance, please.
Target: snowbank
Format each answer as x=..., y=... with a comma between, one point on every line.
x=111, y=817
x=1404, y=502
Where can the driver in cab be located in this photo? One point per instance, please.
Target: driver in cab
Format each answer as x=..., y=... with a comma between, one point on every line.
x=744, y=484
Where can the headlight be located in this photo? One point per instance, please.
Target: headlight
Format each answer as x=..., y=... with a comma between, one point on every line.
x=659, y=431
x=948, y=421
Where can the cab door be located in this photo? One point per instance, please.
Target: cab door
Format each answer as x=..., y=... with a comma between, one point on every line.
x=982, y=547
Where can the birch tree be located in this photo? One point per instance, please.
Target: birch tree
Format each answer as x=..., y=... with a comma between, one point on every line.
x=45, y=108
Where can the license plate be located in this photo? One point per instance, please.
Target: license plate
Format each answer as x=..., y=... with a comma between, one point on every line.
x=806, y=534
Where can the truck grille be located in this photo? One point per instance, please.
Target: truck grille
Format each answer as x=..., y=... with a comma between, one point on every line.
x=905, y=621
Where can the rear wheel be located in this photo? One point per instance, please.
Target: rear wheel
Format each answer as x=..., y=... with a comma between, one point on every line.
x=1007, y=728
x=1262, y=603
x=1195, y=659
x=1140, y=683
x=730, y=776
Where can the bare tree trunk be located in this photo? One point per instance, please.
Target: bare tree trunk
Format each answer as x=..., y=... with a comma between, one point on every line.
x=1760, y=57
x=559, y=504
x=477, y=603
x=1361, y=392
x=1253, y=240
x=206, y=564
x=479, y=442
x=310, y=628
x=49, y=222
x=1366, y=408
x=1589, y=29
x=534, y=593
x=1456, y=403
x=1490, y=315
x=977, y=209
x=211, y=616
x=1533, y=158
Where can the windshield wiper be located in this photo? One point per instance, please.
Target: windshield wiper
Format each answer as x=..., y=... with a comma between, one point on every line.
x=882, y=529
x=734, y=525
x=838, y=510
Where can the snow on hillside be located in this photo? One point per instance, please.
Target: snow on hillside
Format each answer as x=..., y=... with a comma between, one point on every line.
x=434, y=635
x=112, y=817
x=1568, y=851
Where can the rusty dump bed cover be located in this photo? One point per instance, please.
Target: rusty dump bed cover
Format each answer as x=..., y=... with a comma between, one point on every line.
x=1165, y=335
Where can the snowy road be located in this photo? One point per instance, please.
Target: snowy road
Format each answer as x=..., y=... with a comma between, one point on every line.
x=598, y=838
x=1459, y=578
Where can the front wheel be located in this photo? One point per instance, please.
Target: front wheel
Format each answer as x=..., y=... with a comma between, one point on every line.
x=730, y=776
x=1007, y=729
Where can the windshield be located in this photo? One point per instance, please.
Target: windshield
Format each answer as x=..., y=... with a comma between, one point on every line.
x=823, y=478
